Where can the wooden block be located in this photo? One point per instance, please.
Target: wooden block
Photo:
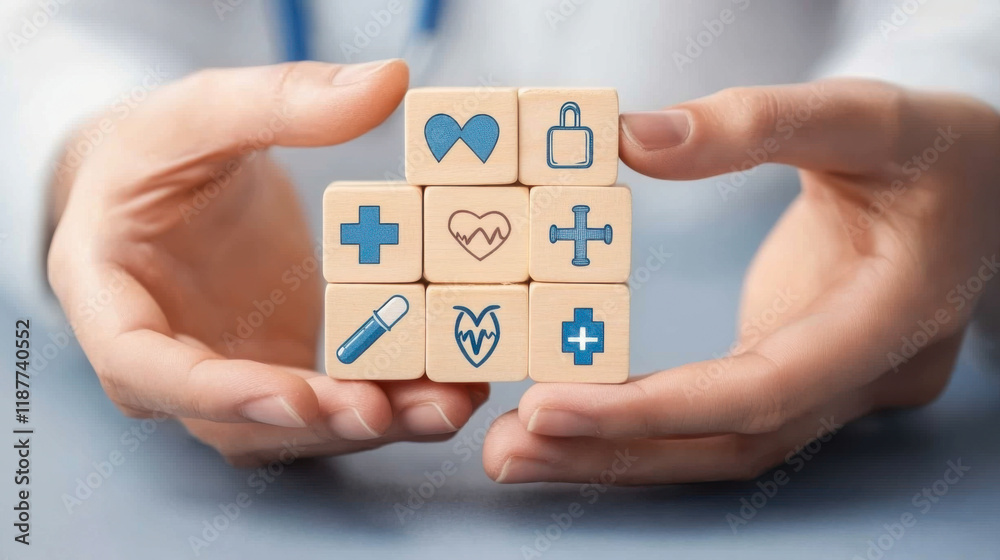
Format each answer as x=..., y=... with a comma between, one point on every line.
x=461, y=136
x=476, y=234
x=579, y=333
x=375, y=331
x=568, y=136
x=477, y=332
x=372, y=232
x=581, y=234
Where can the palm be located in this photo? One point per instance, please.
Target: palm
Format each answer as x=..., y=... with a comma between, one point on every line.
x=237, y=273
x=834, y=244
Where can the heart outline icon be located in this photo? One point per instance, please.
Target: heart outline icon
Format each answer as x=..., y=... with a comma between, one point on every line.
x=466, y=236
x=480, y=133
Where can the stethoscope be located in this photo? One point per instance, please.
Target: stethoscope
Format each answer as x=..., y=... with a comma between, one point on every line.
x=293, y=16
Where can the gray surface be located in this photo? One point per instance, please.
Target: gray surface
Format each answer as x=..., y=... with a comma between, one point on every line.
x=865, y=477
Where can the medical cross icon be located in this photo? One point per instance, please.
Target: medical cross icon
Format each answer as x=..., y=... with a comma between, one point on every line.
x=369, y=234
x=583, y=336
x=580, y=234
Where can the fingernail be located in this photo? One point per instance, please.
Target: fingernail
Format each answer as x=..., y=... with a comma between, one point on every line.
x=549, y=422
x=657, y=130
x=521, y=469
x=354, y=73
x=272, y=410
x=426, y=419
x=349, y=424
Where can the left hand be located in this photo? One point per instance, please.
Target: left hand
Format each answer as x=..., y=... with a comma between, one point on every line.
x=214, y=299
x=883, y=254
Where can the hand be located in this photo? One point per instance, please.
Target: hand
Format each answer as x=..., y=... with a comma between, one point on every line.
x=184, y=261
x=880, y=260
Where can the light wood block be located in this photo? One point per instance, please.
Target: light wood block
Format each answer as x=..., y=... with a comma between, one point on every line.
x=372, y=232
x=362, y=339
x=568, y=136
x=461, y=136
x=476, y=234
x=477, y=332
x=579, y=333
x=581, y=234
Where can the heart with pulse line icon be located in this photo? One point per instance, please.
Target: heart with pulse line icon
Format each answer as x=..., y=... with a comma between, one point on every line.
x=479, y=235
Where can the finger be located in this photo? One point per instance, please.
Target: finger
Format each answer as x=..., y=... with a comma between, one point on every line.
x=422, y=407
x=511, y=454
x=248, y=444
x=848, y=126
x=223, y=113
x=144, y=368
x=837, y=343
x=253, y=445
x=921, y=380
x=353, y=410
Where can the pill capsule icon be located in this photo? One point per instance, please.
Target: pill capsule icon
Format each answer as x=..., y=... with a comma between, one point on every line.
x=381, y=322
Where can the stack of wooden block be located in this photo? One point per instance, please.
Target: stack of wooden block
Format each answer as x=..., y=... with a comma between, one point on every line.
x=505, y=187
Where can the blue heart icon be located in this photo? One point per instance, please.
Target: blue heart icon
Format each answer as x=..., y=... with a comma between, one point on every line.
x=480, y=134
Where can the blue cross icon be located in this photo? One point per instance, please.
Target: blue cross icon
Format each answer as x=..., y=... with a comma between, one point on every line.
x=580, y=234
x=583, y=336
x=369, y=234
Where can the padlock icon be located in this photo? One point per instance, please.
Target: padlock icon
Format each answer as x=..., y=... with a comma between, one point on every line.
x=570, y=147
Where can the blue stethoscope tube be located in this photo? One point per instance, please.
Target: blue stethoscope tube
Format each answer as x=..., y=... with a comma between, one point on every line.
x=295, y=31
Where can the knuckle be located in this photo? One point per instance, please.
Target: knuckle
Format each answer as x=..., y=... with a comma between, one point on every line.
x=748, y=459
x=645, y=422
x=201, y=81
x=766, y=409
x=752, y=111
x=892, y=115
x=766, y=416
x=289, y=76
x=134, y=413
x=113, y=387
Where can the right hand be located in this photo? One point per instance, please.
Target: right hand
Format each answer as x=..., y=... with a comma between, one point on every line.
x=182, y=219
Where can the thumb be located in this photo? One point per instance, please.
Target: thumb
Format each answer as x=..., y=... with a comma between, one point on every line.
x=223, y=113
x=848, y=126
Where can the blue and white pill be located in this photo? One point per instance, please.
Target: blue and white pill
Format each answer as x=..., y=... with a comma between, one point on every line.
x=381, y=322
